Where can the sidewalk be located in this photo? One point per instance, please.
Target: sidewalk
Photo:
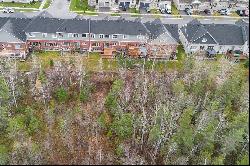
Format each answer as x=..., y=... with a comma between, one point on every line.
x=164, y=15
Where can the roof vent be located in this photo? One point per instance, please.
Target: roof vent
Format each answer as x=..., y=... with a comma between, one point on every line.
x=204, y=40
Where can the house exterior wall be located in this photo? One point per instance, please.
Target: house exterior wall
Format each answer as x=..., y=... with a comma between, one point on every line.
x=17, y=50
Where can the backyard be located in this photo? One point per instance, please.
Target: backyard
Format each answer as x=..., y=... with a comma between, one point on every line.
x=94, y=62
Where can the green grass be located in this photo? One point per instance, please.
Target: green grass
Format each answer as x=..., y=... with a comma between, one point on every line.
x=133, y=10
x=115, y=14
x=47, y=4
x=87, y=13
x=234, y=14
x=174, y=10
x=80, y=5
x=135, y=15
x=92, y=61
x=22, y=5
x=155, y=11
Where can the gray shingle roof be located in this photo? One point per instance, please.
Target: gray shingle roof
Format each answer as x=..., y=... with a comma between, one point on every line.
x=223, y=34
x=226, y=34
x=46, y=25
x=74, y=26
x=3, y=20
x=173, y=30
x=154, y=29
x=15, y=27
x=117, y=27
x=245, y=29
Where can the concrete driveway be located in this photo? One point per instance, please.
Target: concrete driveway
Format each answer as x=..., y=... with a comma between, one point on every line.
x=60, y=9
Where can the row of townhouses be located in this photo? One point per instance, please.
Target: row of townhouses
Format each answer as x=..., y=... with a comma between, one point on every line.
x=19, y=36
x=199, y=5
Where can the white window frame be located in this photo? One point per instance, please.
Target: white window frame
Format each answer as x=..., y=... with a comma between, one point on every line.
x=54, y=35
x=101, y=36
x=70, y=34
x=106, y=37
x=92, y=36
x=75, y=35
x=140, y=37
x=125, y=36
x=114, y=37
x=44, y=35
x=85, y=35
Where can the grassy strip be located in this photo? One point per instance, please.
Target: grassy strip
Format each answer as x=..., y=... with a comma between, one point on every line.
x=115, y=14
x=21, y=5
x=174, y=10
x=87, y=13
x=133, y=10
x=47, y=4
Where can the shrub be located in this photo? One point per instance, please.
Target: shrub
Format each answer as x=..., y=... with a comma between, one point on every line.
x=61, y=95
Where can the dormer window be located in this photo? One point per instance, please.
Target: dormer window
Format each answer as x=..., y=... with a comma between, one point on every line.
x=204, y=40
x=75, y=35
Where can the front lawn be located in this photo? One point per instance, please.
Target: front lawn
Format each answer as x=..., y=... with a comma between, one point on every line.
x=174, y=10
x=21, y=5
x=80, y=5
x=47, y=4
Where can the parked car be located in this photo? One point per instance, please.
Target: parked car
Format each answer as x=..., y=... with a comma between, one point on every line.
x=224, y=12
x=207, y=11
x=8, y=10
x=188, y=11
x=162, y=10
x=246, y=13
x=148, y=10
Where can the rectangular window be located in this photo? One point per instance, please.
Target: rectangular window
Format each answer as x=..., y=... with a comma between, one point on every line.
x=44, y=35
x=101, y=36
x=75, y=35
x=17, y=46
x=66, y=43
x=84, y=35
x=114, y=44
x=96, y=44
x=54, y=36
x=60, y=34
x=114, y=36
x=107, y=36
x=92, y=35
x=70, y=35
x=140, y=37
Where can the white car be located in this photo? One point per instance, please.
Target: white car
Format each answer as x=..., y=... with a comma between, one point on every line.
x=8, y=10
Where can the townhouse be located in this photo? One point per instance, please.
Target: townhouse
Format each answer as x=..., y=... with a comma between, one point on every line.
x=13, y=38
x=201, y=5
x=213, y=38
x=19, y=36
